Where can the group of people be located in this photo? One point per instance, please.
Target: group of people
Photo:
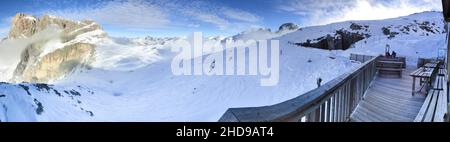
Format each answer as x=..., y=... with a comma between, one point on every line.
x=387, y=52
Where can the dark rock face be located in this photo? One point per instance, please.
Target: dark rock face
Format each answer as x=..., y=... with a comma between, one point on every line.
x=426, y=26
x=41, y=86
x=288, y=26
x=75, y=93
x=354, y=26
x=406, y=29
x=387, y=31
x=26, y=88
x=357, y=27
x=342, y=40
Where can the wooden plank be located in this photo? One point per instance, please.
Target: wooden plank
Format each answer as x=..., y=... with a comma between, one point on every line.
x=311, y=116
x=414, y=73
x=390, y=62
x=423, y=110
x=332, y=109
x=347, y=103
x=389, y=100
x=392, y=108
x=358, y=117
x=432, y=107
x=442, y=72
x=346, y=106
x=439, y=83
x=404, y=107
x=328, y=112
x=423, y=72
x=317, y=115
x=441, y=107
x=373, y=112
x=391, y=69
x=341, y=106
x=431, y=65
x=322, y=112
x=338, y=107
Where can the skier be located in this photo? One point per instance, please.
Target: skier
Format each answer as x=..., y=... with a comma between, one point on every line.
x=319, y=81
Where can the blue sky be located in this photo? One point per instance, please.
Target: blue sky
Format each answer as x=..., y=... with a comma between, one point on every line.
x=168, y=18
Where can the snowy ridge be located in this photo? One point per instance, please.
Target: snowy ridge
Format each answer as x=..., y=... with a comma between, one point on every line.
x=55, y=102
x=413, y=36
x=265, y=33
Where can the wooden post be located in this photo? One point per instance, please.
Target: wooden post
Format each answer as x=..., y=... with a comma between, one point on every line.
x=447, y=62
x=341, y=106
x=414, y=86
x=336, y=106
x=328, y=117
x=446, y=13
x=323, y=110
x=317, y=115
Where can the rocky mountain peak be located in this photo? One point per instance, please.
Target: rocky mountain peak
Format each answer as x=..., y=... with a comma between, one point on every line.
x=24, y=26
x=51, y=58
x=288, y=27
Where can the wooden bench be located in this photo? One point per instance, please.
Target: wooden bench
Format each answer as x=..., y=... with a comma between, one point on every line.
x=388, y=67
x=439, y=82
x=396, y=59
x=442, y=72
x=434, y=109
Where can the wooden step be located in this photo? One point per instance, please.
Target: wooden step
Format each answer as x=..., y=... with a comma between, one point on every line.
x=391, y=69
x=390, y=62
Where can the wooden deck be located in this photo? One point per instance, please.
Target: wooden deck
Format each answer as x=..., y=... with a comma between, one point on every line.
x=389, y=100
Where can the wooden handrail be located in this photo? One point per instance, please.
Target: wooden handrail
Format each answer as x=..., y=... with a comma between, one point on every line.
x=332, y=102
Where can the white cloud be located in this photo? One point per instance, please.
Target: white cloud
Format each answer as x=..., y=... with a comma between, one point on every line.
x=241, y=15
x=129, y=14
x=199, y=12
x=193, y=25
x=225, y=18
x=319, y=12
x=148, y=14
x=209, y=18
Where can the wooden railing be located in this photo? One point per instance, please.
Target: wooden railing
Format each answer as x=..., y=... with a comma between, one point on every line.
x=360, y=58
x=332, y=102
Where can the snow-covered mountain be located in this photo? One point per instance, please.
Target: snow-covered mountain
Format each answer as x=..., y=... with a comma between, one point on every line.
x=417, y=35
x=265, y=33
x=53, y=47
x=131, y=79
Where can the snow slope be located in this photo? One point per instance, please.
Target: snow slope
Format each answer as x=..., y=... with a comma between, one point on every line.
x=419, y=35
x=131, y=79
